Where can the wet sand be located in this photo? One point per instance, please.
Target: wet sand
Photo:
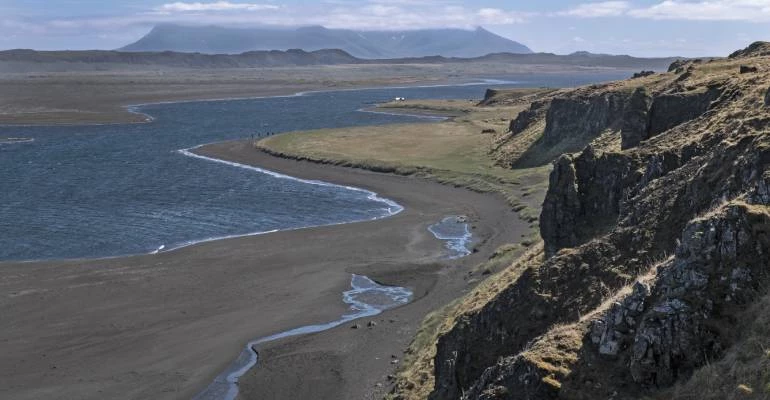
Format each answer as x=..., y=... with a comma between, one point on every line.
x=163, y=326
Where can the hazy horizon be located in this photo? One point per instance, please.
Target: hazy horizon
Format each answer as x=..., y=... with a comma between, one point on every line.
x=644, y=28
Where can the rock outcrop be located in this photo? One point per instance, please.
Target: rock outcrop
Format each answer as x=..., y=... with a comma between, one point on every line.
x=720, y=267
x=562, y=206
x=756, y=49
x=670, y=110
x=689, y=177
x=636, y=120
x=642, y=74
x=582, y=116
x=527, y=117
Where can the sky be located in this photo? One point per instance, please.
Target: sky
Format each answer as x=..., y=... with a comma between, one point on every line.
x=689, y=28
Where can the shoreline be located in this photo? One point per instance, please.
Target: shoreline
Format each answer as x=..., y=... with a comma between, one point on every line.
x=134, y=108
x=253, y=286
x=393, y=209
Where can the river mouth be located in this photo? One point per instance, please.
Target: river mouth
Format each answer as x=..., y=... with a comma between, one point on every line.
x=366, y=298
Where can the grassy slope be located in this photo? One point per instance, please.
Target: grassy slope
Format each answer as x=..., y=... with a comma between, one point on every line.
x=454, y=152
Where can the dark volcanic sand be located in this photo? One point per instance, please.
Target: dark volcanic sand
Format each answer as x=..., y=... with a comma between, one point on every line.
x=163, y=326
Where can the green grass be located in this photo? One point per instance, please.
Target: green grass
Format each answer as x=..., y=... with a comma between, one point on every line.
x=454, y=153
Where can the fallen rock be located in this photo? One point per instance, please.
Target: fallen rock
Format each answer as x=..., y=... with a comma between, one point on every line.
x=355, y=326
x=371, y=324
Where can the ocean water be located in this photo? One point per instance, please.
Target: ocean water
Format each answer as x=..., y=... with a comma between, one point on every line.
x=109, y=190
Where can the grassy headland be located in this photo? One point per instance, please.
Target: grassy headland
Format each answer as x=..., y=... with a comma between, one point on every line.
x=458, y=151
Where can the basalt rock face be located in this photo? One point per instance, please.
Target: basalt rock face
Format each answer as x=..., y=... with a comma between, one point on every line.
x=670, y=110
x=584, y=195
x=721, y=265
x=582, y=116
x=528, y=117
x=651, y=250
x=562, y=205
x=636, y=120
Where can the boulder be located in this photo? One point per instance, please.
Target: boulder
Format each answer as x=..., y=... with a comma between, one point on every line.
x=745, y=69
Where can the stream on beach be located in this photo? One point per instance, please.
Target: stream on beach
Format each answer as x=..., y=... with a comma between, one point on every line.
x=110, y=190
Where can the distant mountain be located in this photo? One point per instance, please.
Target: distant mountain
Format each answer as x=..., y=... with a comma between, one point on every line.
x=362, y=44
x=105, y=58
x=31, y=60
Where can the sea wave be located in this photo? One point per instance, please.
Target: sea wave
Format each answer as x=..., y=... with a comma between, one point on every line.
x=391, y=207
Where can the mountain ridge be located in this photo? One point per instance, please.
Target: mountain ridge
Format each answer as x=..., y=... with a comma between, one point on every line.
x=25, y=59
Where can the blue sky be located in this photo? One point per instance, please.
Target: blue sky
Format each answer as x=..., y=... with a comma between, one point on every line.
x=637, y=27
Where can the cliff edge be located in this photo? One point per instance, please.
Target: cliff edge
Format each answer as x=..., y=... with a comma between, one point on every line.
x=656, y=228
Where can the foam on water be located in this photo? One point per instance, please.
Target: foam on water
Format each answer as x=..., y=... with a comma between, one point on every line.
x=457, y=234
x=16, y=140
x=391, y=207
x=366, y=298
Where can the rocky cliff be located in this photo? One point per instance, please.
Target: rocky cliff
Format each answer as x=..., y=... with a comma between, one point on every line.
x=656, y=230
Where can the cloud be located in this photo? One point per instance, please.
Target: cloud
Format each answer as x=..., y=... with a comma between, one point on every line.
x=499, y=17
x=703, y=10
x=215, y=6
x=714, y=10
x=363, y=15
x=600, y=9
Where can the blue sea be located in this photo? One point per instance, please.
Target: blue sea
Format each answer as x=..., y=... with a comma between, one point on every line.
x=110, y=190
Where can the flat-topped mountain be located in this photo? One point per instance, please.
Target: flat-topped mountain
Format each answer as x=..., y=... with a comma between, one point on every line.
x=363, y=44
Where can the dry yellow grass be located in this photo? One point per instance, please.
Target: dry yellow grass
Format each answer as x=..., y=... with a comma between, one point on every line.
x=455, y=152
x=415, y=377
